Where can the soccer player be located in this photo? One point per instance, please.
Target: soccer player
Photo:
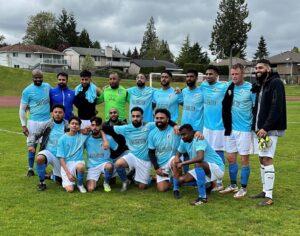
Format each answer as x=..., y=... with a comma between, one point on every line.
x=166, y=97
x=114, y=96
x=269, y=120
x=98, y=159
x=50, y=132
x=162, y=144
x=208, y=164
x=141, y=96
x=237, y=119
x=213, y=94
x=85, y=98
x=70, y=153
x=35, y=100
x=63, y=95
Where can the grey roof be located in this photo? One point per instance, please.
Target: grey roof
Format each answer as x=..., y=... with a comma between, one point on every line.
x=95, y=52
x=29, y=48
x=235, y=60
x=285, y=57
x=154, y=63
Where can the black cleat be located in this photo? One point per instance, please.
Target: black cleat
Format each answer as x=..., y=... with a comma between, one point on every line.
x=176, y=194
x=199, y=201
x=266, y=202
x=41, y=187
x=30, y=173
x=258, y=195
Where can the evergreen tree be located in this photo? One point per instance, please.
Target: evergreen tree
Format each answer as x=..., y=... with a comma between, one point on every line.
x=184, y=52
x=84, y=39
x=117, y=49
x=150, y=42
x=295, y=49
x=96, y=44
x=135, y=54
x=88, y=63
x=129, y=54
x=164, y=52
x=230, y=29
x=261, y=51
x=197, y=56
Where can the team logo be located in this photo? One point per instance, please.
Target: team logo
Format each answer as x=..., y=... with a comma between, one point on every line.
x=119, y=91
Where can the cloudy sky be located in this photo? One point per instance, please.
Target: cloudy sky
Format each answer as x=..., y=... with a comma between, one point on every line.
x=123, y=22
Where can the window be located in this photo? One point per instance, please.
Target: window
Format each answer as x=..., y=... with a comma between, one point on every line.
x=15, y=54
x=28, y=55
x=16, y=66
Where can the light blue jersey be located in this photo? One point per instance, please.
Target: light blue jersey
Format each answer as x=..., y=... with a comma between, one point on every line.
x=37, y=99
x=192, y=112
x=142, y=97
x=213, y=96
x=201, y=145
x=169, y=100
x=71, y=148
x=165, y=143
x=56, y=132
x=243, y=101
x=136, y=138
x=96, y=155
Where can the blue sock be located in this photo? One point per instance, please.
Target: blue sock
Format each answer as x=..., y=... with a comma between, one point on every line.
x=193, y=183
x=245, y=172
x=175, y=184
x=201, y=182
x=41, y=169
x=185, y=167
x=221, y=154
x=233, y=171
x=31, y=156
x=122, y=173
x=107, y=176
x=80, y=176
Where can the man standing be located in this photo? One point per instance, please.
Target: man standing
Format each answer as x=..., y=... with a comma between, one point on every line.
x=142, y=96
x=85, y=98
x=237, y=119
x=269, y=123
x=50, y=132
x=63, y=95
x=162, y=144
x=35, y=100
x=166, y=97
x=114, y=96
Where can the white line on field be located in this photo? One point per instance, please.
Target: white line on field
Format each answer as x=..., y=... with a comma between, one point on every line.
x=9, y=131
x=293, y=122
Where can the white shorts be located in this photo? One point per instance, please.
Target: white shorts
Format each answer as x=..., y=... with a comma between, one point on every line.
x=85, y=123
x=72, y=168
x=215, y=173
x=94, y=173
x=215, y=138
x=52, y=160
x=32, y=126
x=167, y=170
x=115, y=174
x=142, y=168
x=267, y=152
x=239, y=141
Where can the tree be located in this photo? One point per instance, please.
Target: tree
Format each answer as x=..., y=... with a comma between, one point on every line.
x=164, y=52
x=135, y=54
x=40, y=28
x=150, y=42
x=88, y=63
x=295, y=49
x=184, y=52
x=96, y=44
x=117, y=49
x=261, y=51
x=2, y=43
x=230, y=29
x=197, y=56
x=129, y=54
x=84, y=39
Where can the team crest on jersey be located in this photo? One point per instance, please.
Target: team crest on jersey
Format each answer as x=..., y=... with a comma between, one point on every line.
x=168, y=136
x=119, y=91
x=242, y=91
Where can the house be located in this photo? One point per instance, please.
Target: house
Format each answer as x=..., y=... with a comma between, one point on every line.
x=235, y=60
x=137, y=64
x=286, y=63
x=31, y=56
x=102, y=58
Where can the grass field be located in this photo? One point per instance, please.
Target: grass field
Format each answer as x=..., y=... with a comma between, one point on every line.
x=25, y=211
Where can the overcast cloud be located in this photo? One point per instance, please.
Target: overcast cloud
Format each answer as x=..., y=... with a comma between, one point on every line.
x=123, y=22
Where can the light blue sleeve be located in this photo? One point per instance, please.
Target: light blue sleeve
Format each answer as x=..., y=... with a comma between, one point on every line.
x=150, y=141
x=120, y=129
x=201, y=145
x=24, y=97
x=253, y=97
x=112, y=143
x=181, y=147
x=60, y=148
x=180, y=98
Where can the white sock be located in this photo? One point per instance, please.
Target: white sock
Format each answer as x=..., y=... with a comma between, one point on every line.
x=262, y=174
x=269, y=180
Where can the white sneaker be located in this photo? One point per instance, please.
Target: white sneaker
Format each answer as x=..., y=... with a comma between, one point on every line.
x=81, y=188
x=106, y=187
x=230, y=189
x=124, y=186
x=218, y=187
x=241, y=193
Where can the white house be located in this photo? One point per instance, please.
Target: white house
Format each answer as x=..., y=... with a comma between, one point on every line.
x=102, y=57
x=31, y=56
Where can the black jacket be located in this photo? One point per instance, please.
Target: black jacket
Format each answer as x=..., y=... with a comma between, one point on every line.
x=272, y=113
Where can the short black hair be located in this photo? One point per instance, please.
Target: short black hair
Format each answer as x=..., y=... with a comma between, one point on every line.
x=75, y=118
x=193, y=71
x=137, y=109
x=164, y=111
x=58, y=106
x=167, y=72
x=187, y=127
x=264, y=61
x=97, y=119
x=214, y=68
x=85, y=73
x=64, y=74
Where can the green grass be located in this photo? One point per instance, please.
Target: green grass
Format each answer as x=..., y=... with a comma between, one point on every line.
x=25, y=211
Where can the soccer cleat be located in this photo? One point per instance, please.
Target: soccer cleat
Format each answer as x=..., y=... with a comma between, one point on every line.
x=266, y=202
x=210, y=186
x=106, y=187
x=218, y=187
x=81, y=188
x=41, y=187
x=176, y=194
x=30, y=173
x=241, y=193
x=230, y=189
x=258, y=195
x=124, y=186
x=199, y=201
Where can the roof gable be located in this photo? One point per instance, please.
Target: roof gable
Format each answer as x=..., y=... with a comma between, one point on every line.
x=29, y=49
x=285, y=57
x=154, y=63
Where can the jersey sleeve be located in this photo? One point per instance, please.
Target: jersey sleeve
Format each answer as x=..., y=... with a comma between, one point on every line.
x=25, y=97
x=151, y=125
x=100, y=99
x=113, y=145
x=181, y=148
x=151, y=141
x=120, y=129
x=180, y=98
x=60, y=148
x=201, y=145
